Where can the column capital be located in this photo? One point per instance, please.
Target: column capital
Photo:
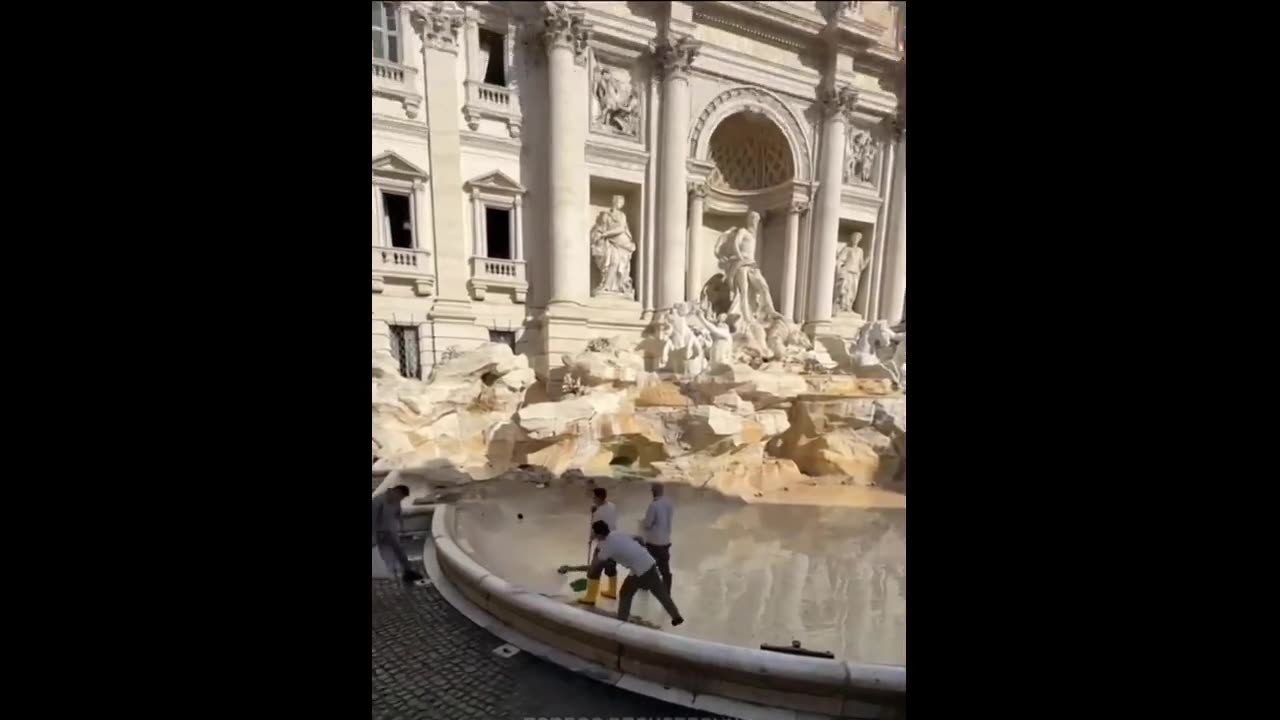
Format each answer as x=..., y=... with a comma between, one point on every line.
x=676, y=58
x=418, y=185
x=518, y=201
x=798, y=206
x=438, y=24
x=471, y=15
x=835, y=12
x=838, y=102
x=565, y=27
x=697, y=189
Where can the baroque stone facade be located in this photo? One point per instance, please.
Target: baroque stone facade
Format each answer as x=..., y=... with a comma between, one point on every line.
x=548, y=173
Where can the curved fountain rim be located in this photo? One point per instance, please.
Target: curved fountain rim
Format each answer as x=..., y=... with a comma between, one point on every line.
x=857, y=684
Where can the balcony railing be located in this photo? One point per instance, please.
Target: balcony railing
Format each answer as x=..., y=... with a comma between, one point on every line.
x=494, y=102
x=399, y=82
x=403, y=263
x=494, y=96
x=497, y=274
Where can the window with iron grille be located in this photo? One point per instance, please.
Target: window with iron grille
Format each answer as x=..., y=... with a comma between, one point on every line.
x=506, y=337
x=386, y=33
x=404, y=347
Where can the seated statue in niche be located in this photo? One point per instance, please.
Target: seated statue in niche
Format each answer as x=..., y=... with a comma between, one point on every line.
x=612, y=248
x=850, y=262
x=618, y=103
x=740, y=293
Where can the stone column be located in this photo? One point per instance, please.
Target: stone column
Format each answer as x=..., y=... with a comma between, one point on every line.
x=837, y=104
x=675, y=59
x=471, y=24
x=869, y=291
x=418, y=213
x=518, y=219
x=651, y=195
x=477, y=224
x=790, y=258
x=438, y=27
x=806, y=249
x=377, y=224
x=693, y=287
x=893, y=285
x=565, y=36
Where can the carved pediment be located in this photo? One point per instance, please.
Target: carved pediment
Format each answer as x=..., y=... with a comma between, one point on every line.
x=389, y=163
x=495, y=182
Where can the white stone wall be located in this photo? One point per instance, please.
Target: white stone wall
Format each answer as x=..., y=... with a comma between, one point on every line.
x=777, y=48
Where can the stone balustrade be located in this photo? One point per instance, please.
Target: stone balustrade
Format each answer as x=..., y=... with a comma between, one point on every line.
x=399, y=82
x=494, y=102
x=498, y=273
x=403, y=263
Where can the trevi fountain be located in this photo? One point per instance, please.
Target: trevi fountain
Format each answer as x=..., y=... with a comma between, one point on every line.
x=785, y=458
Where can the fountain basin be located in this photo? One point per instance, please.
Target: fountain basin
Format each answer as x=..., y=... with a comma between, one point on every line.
x=766, y=680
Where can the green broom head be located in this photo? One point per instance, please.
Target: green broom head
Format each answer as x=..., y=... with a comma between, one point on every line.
x=579, y=585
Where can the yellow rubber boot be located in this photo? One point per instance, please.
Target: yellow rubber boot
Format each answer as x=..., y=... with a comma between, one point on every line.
x=612, y=591
x=593, y=589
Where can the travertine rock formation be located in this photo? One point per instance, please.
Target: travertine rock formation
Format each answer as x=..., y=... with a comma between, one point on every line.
x=740, y=430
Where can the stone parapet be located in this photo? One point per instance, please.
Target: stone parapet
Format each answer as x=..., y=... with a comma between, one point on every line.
x=748, y=678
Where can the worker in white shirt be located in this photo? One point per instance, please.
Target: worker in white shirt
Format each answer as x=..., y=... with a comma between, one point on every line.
x=601, y=511
x=627, y=550
x=657, y=532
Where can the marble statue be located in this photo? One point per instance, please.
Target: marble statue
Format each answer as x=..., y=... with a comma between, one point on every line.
x=877, y=346
x=689, y=340
x=721, y=340
x=619, y=107
x=850, y=262
x=784, y=339
x=656, y=341
x=740, y=293
x=612, y=248
x=860, y=157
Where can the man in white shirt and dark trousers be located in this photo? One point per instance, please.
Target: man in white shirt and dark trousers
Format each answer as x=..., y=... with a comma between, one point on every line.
x=602, y=511
x=657, y=532
x=627, y=551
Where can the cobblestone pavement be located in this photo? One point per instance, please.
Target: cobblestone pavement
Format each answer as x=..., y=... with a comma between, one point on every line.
x=429, y=661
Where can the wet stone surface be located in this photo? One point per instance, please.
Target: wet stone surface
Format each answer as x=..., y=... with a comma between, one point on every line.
x=429, y=661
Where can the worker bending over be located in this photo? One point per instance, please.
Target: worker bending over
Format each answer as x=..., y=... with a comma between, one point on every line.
x=627, y=551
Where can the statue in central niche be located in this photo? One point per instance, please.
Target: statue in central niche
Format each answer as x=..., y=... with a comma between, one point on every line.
x=612, y=248
x=740, y=292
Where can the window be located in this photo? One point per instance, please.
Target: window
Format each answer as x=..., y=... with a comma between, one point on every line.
x=493, y=47
x=404, y=348
x=386, y=33
x=497, y=225
x=506, y=337
x=398, y=219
